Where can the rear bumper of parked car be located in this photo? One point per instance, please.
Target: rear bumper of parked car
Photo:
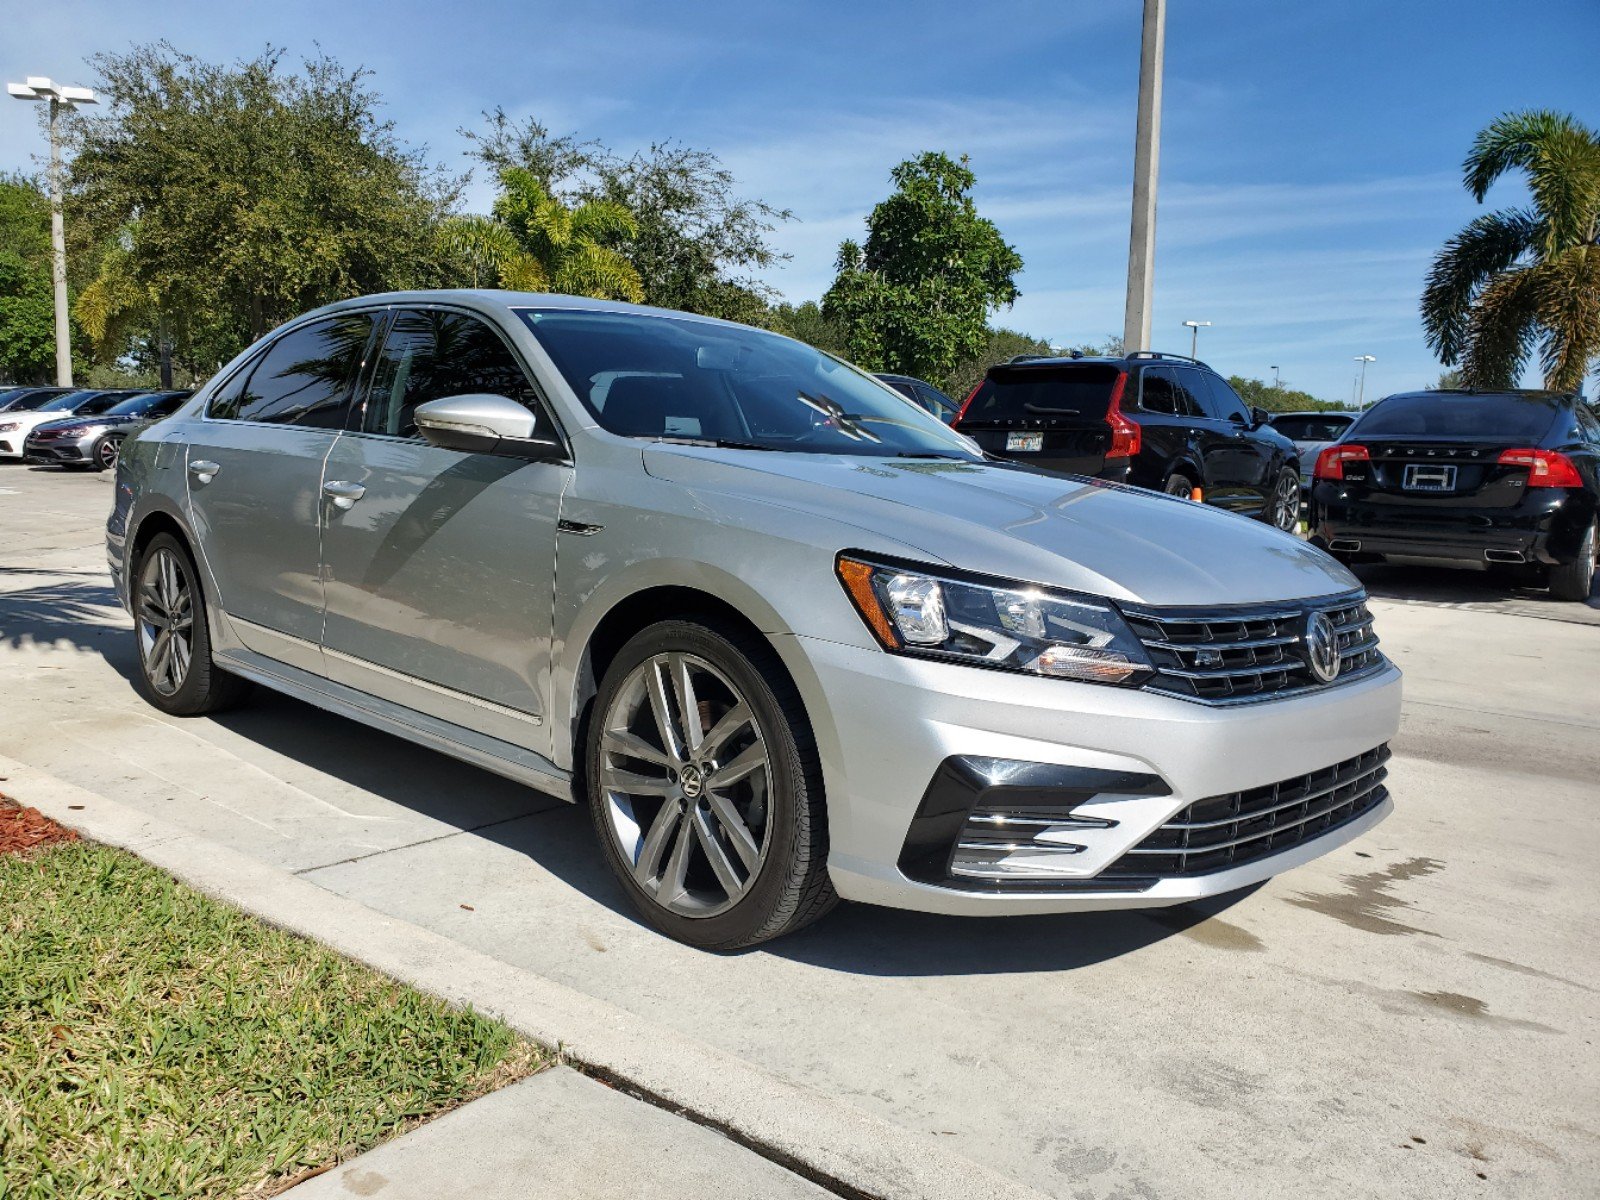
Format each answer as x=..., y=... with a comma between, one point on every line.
x=906, y=733
x=1546, y=526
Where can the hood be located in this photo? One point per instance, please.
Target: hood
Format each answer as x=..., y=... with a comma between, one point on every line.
x=59, y=422
x=27, y=422
x=1085, y=535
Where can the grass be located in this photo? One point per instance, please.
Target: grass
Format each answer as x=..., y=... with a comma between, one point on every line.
x=157, y=1043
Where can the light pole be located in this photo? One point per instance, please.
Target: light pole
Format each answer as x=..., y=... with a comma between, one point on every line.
x=1361, y=388
x=1194, y=328
x=39, y=88
x=1146, y=163
x=1276, y=380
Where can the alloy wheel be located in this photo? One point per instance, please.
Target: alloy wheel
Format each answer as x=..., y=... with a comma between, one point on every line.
x=685, y=781
x=1286, y=502
x=166, y=621
x=106, y=453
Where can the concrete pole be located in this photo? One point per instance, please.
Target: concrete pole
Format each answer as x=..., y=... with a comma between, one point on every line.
x=1146, y=165
x=58, y=244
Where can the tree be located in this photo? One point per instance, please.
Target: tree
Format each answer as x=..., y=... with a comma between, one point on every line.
x=1522, y=279
x=806, y=323
x=916, y=297
x=534, y=243
x=27, y=315
x=1277, y=398
x=220, y=200
x=1002, y=346
x=695, y=244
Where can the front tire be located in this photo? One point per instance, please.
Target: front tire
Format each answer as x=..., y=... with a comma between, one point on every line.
x=176, y=671
x=1575, y=580
x=705, y=787
x=103, y=455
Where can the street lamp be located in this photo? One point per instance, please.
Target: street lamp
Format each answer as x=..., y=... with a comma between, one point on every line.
x=39, y=88
x=1276, y=384
x=1361, y=390
x=1194, y=328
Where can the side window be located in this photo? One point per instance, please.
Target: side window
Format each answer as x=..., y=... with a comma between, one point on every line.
x=304, y=378
x=430, y=354
x=1589, y=424
x=935, y=402
x=1158, y=393
x=1186, y=393
x=1218, y=399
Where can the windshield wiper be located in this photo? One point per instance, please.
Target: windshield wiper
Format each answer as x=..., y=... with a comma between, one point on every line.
x=932, y=454
x=719, y=443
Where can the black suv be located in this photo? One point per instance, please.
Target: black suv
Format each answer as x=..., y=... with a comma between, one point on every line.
x=1506, y=480
x=1153, y=420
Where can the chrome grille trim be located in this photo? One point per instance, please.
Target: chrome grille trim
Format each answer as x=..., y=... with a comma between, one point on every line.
x=1246, y=655
x=1222, y=832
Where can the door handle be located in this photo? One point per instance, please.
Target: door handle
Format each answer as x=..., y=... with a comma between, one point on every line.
x=203, y=471
x=343, y=494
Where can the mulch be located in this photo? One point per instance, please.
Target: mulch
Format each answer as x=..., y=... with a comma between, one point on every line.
x=24, y=829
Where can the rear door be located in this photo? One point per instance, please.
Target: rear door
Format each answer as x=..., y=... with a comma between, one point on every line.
x=440, y=573
x=1050, y=415
x=1236, y=464
x=255, y=483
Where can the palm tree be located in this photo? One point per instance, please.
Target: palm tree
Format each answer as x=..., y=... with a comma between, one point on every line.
x=1523, y=278
x=535, y=243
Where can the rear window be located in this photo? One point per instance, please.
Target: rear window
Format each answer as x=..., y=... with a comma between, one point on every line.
x=1446, y=414
x=1010, y=393
x=1311, y=429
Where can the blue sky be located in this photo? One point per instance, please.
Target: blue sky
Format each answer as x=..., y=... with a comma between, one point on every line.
x=1310, y=156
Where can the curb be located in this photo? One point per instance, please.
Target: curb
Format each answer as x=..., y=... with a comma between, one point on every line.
x=856, y=1155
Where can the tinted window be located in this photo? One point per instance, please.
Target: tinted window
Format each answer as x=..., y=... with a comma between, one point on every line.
x=1158, y=393
x=1311, y=428
x=26, y=400
x=154, y=404
x=1446, y=414
x=1588, y=424
x=304, y=378
x=663, y=376
x=1076, y=390
x=936, y=401
x=1216, y=397
x=431, y=354
x=69, y=402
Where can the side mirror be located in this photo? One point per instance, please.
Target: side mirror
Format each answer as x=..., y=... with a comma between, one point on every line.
x=480, y=423
x=1260, y=416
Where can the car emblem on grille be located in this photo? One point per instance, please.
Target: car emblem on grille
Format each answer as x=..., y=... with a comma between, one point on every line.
x=1322, y=647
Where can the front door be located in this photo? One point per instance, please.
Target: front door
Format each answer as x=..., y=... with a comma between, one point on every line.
x=255, y=483
x=439, y=566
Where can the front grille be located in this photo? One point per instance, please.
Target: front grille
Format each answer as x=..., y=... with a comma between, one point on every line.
x=1232, y=656
x=1220, y=832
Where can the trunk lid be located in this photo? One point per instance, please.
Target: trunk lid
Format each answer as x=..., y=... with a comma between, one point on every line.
x=1052, y=415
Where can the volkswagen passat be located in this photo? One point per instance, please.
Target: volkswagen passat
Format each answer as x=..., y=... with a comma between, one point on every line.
x=787, y=636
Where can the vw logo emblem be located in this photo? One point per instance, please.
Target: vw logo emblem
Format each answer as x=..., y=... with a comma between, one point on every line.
x=1322, y=647
x=692, y=782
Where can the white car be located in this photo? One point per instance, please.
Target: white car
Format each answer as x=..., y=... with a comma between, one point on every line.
x=1312, y=433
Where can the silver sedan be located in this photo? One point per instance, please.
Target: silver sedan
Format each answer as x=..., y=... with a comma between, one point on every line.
x=786, y=636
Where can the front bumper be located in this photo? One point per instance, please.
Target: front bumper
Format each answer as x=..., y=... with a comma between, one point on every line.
x=896, y=721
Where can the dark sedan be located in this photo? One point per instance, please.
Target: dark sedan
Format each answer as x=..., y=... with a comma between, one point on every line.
x=1509, y=480
x=95, y=441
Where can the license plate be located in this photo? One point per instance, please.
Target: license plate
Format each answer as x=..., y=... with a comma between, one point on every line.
x=1024, y=441
x=1426, y=477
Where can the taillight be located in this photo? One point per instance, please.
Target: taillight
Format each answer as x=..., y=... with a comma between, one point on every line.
x=1330, y=463
x=1126, y=436
x=1546, y=468
x=964, y=403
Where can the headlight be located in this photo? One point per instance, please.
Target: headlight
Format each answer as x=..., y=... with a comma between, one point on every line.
x=1012, y=627
x=8, y=427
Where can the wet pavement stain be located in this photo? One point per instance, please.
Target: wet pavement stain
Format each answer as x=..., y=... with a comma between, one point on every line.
x=1213, y=932
x=1367, y=903
x=1507, y=964
x=1471, y=1006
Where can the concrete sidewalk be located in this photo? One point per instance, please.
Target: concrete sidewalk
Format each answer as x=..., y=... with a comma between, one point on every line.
x=559, y=1136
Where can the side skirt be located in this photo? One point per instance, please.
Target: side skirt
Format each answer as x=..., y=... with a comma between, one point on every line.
x=468, y=745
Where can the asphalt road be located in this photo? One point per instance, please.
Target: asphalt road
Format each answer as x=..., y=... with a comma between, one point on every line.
x=1412, y=1016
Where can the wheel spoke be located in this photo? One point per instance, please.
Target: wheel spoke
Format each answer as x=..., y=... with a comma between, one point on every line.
x=688, y=705
x=158, y=653
x=633, y=784
x=180, y=659
x=739, y=835
x=655, y=844
x=629, y=745
x=656, y=684
x=751, y=758
x=677, y=868
x=730, y=723
x=721, y=865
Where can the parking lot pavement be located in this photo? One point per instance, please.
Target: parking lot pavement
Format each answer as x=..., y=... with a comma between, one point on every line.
x=1412, y=1016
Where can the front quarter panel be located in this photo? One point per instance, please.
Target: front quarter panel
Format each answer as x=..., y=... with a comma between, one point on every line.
x=149, y=480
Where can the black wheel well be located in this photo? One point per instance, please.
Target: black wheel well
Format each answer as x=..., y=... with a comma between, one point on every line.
x=156, y=522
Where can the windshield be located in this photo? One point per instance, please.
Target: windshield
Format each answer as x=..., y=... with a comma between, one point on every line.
x=1315, y=428
x=651, y=376
x=25, y=401
x=1009, y=393
x=137, y=406
x=1451, y=414
x=65, y=403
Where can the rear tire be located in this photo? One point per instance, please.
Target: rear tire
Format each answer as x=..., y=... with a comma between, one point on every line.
x=1575, y=580
x=1178, y=484
x=716, y=865
x=176, y=671
x=1283, y=504
x=103, y=455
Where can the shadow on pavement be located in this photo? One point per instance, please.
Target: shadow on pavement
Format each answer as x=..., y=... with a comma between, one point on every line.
x=64, y=610
x=1455, y=587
